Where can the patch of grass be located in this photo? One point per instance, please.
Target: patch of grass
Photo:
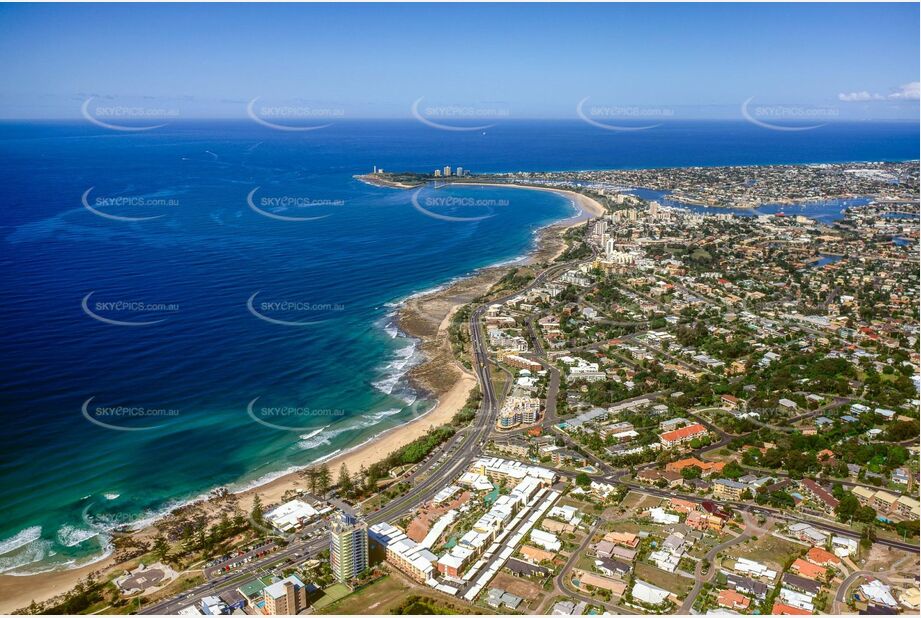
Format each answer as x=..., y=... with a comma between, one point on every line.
x=767, y=549
x=337, y=592
x=681, y=586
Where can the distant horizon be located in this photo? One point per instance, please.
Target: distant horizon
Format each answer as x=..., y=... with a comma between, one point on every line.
x=244, y=120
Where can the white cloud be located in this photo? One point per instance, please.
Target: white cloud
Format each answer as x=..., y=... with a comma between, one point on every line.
x=905, y=92
x=910, y=92
x=863, y=95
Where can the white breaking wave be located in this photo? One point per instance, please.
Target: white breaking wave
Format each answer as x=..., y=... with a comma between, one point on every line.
x=323, y=437
x=35, y=550
x=405, y=358
x=69, y=536
x=21, y=538
x=313, y=433
x=111, y=496
x=327, y=457
x=377, y=416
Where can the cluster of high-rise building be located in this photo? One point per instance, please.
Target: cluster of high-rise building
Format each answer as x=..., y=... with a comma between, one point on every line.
x=447, y=172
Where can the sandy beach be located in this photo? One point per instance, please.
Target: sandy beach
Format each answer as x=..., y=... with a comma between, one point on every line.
x=426, y=317
x=587, y=206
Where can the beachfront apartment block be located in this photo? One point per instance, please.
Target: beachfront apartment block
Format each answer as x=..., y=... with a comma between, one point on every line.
x=390, y=543
x=518, y=409
x=497, y=469
x=286, y=597
x=348, y=546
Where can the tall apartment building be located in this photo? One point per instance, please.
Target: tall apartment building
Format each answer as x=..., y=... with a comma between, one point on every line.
x=348, y=546
x=518, y=409
x=286, y=597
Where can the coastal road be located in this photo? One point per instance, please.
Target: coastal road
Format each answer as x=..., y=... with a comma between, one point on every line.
x=439, y=475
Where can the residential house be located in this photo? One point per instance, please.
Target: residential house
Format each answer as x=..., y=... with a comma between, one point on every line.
x=730, y=599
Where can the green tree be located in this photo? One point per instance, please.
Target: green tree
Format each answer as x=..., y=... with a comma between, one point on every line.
x=345, y=481
x=257, y=511
x=160, y=547
x=323, y=479
x=311, y=475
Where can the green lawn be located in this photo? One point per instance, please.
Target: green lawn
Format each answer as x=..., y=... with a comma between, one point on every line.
x=681, y=586
x=333, y=594
x=767, y=549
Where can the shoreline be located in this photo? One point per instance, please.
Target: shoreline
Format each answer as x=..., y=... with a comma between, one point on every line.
x=424, y=316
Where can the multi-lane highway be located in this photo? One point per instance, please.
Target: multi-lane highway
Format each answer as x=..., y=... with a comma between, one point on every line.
x=426, y=480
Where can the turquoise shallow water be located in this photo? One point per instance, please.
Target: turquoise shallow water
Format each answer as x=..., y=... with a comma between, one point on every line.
x=171, y=329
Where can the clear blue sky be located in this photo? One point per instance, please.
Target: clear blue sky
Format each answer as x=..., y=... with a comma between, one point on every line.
x=533, y=60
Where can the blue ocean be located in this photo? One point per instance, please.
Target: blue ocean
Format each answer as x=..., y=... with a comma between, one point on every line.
x=211, y=304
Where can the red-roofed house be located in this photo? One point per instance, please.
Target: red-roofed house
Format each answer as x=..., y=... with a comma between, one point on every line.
x=730, y=401
x=731, y=599
x=807, y=569
x=683, y=506
x=817, y=555
x=706, y=467
x=782, y=609
x=682, y=435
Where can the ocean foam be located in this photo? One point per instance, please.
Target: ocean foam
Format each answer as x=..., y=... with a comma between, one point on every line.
x=35, y=550
x=70, y=536
x=403, y=360
x=20, y=539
